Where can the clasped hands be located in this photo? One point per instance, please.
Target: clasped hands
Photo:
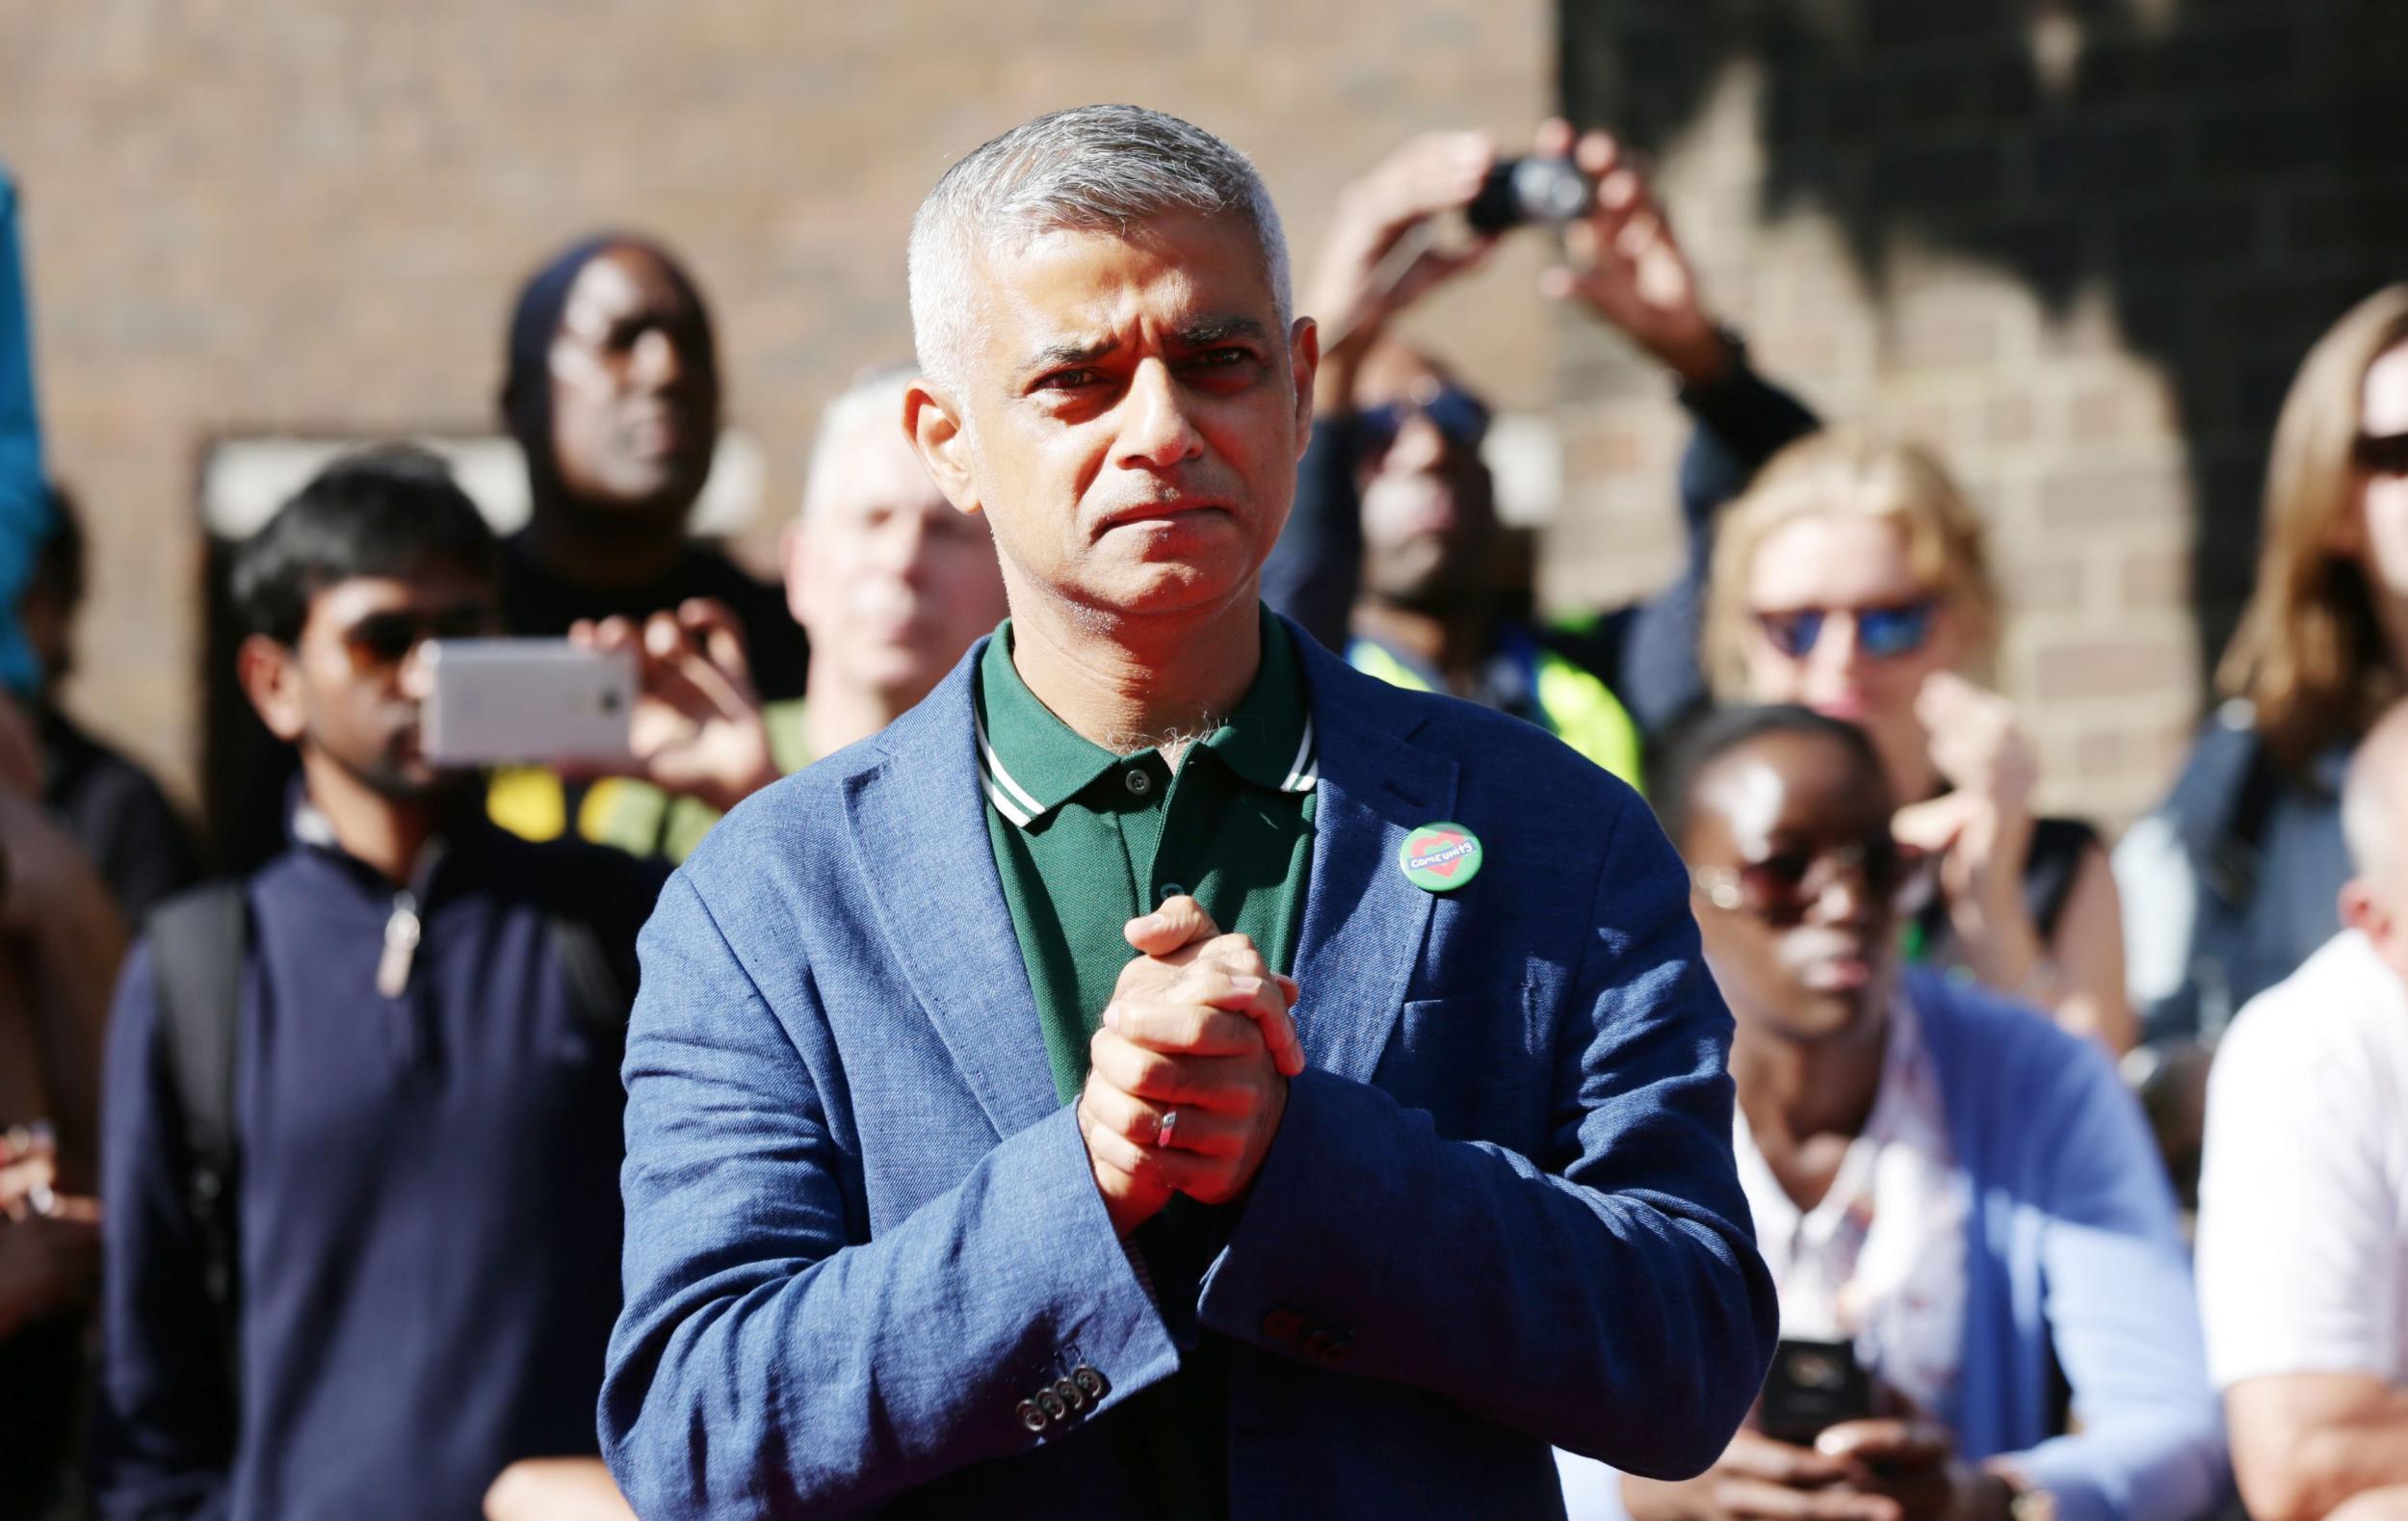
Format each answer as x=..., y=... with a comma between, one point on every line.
x=1199, y=1025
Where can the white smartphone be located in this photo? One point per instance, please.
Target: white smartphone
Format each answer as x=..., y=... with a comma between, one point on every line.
x=526, y=699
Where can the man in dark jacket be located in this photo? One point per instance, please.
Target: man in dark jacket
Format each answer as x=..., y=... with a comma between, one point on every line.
x=424, y=1093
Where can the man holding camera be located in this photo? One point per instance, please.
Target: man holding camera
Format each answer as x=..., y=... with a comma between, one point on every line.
x=613, y=392
x=1391, y=553
x=362, y=1109
x=975, y=1169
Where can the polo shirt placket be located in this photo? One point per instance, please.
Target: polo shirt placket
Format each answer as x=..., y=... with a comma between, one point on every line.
x=1085, y=841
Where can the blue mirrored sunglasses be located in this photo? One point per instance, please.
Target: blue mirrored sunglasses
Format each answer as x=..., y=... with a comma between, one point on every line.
x=1883, y=632
x=1458, y=414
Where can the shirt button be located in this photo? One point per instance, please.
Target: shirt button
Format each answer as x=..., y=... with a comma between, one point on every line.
x=1168, y=891
x=1138, y=782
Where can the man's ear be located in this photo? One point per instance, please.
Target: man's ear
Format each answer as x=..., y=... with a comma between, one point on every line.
x=794, y=552
x=934, y=423
x=1305, y=361
x=2364, y=910
x=270, y=676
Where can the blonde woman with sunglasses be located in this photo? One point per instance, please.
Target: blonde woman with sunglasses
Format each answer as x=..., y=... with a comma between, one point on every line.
x=1852, y=578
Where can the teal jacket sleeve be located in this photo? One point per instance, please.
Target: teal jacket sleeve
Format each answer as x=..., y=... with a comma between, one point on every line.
x=24, y=502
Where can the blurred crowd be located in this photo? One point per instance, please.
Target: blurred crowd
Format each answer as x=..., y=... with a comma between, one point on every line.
x=311, y=1174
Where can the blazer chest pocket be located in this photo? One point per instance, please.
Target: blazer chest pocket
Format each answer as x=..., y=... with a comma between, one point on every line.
x=1478, y=1062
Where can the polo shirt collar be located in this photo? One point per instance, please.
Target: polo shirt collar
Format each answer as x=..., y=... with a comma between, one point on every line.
x=1031, y=762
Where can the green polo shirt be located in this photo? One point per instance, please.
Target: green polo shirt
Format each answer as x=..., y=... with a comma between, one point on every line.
x=1086, y=841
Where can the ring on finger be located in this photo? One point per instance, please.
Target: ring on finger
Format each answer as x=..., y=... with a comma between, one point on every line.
x=1166, y=1127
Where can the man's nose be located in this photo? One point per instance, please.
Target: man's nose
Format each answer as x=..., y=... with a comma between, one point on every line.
x=660, y=362
x=1420, y=446
x=900, y=548
x=415, y=679
x=1155, y=432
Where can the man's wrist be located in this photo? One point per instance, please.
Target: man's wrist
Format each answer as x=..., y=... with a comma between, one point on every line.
x=1701, y=356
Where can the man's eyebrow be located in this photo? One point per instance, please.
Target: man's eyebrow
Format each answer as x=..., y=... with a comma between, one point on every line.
x=1075, y=351
x=1209, y=331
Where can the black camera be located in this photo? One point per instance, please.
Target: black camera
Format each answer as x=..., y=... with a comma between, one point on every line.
x=1526, y=191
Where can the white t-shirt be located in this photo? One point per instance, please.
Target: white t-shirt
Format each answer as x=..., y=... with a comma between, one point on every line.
x=2303, y=1199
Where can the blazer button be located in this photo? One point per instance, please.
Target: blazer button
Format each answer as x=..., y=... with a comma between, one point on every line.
x=1052, y=1404
x=1071, y=1394
x=1091, y=1382
x=1032, y=1417
x=1283, y=1325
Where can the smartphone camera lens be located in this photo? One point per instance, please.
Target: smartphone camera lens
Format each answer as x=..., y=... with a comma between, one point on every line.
x=1525, y=192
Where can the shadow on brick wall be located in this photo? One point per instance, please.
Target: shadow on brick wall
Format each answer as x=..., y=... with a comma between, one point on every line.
x=2231, y=174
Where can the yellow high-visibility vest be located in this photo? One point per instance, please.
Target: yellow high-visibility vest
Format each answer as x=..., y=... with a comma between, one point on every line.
x=1580, y=708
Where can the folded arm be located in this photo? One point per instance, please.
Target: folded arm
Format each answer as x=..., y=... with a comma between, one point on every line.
x=1606, y=1298
x=770, y=1357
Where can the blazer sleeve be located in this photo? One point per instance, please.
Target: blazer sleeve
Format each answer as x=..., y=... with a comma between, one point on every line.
x=1607, y=1297
x=162, y=1438
x=2122, y=1315
x=768, y=1361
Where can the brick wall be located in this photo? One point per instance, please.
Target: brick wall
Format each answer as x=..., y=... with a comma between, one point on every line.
x=2079, y=244
x=289, y=215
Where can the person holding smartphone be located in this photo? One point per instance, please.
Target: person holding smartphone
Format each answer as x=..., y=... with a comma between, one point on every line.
x=1958, y=1201
x=361, y=1130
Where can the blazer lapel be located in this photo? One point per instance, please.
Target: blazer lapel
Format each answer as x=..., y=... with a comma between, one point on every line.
x=1364, y=922
x=919, y=828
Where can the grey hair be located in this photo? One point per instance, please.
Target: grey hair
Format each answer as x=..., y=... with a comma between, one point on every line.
x=875, y=395
x=1092, y=167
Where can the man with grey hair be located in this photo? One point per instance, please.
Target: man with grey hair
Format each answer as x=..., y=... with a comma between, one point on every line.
x=2303, y=1198
x=975, y=1169
x=891, y=584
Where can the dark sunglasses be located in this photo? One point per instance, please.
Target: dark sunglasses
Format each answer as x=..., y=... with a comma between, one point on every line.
x=381, y=641
x=1782, y=886
x=2381, y=453
x=1884, y=632
x=1458, y=415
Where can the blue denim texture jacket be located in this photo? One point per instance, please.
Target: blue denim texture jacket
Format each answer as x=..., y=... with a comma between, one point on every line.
x=1501, y=1212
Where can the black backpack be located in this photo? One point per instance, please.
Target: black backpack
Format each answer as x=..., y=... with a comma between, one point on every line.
x=199, y=945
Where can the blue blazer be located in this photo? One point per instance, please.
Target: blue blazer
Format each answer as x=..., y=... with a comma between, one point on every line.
x=1501, y=1211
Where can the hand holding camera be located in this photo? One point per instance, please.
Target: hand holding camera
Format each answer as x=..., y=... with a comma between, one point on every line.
x=1388, y=247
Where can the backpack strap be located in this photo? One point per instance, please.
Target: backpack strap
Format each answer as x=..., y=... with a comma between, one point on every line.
x=198, y=944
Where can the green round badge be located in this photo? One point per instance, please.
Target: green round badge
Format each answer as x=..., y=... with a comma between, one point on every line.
x=1440, y=857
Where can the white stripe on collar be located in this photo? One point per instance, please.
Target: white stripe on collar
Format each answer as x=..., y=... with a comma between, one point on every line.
x=1001, y=779
x=1306, y=769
